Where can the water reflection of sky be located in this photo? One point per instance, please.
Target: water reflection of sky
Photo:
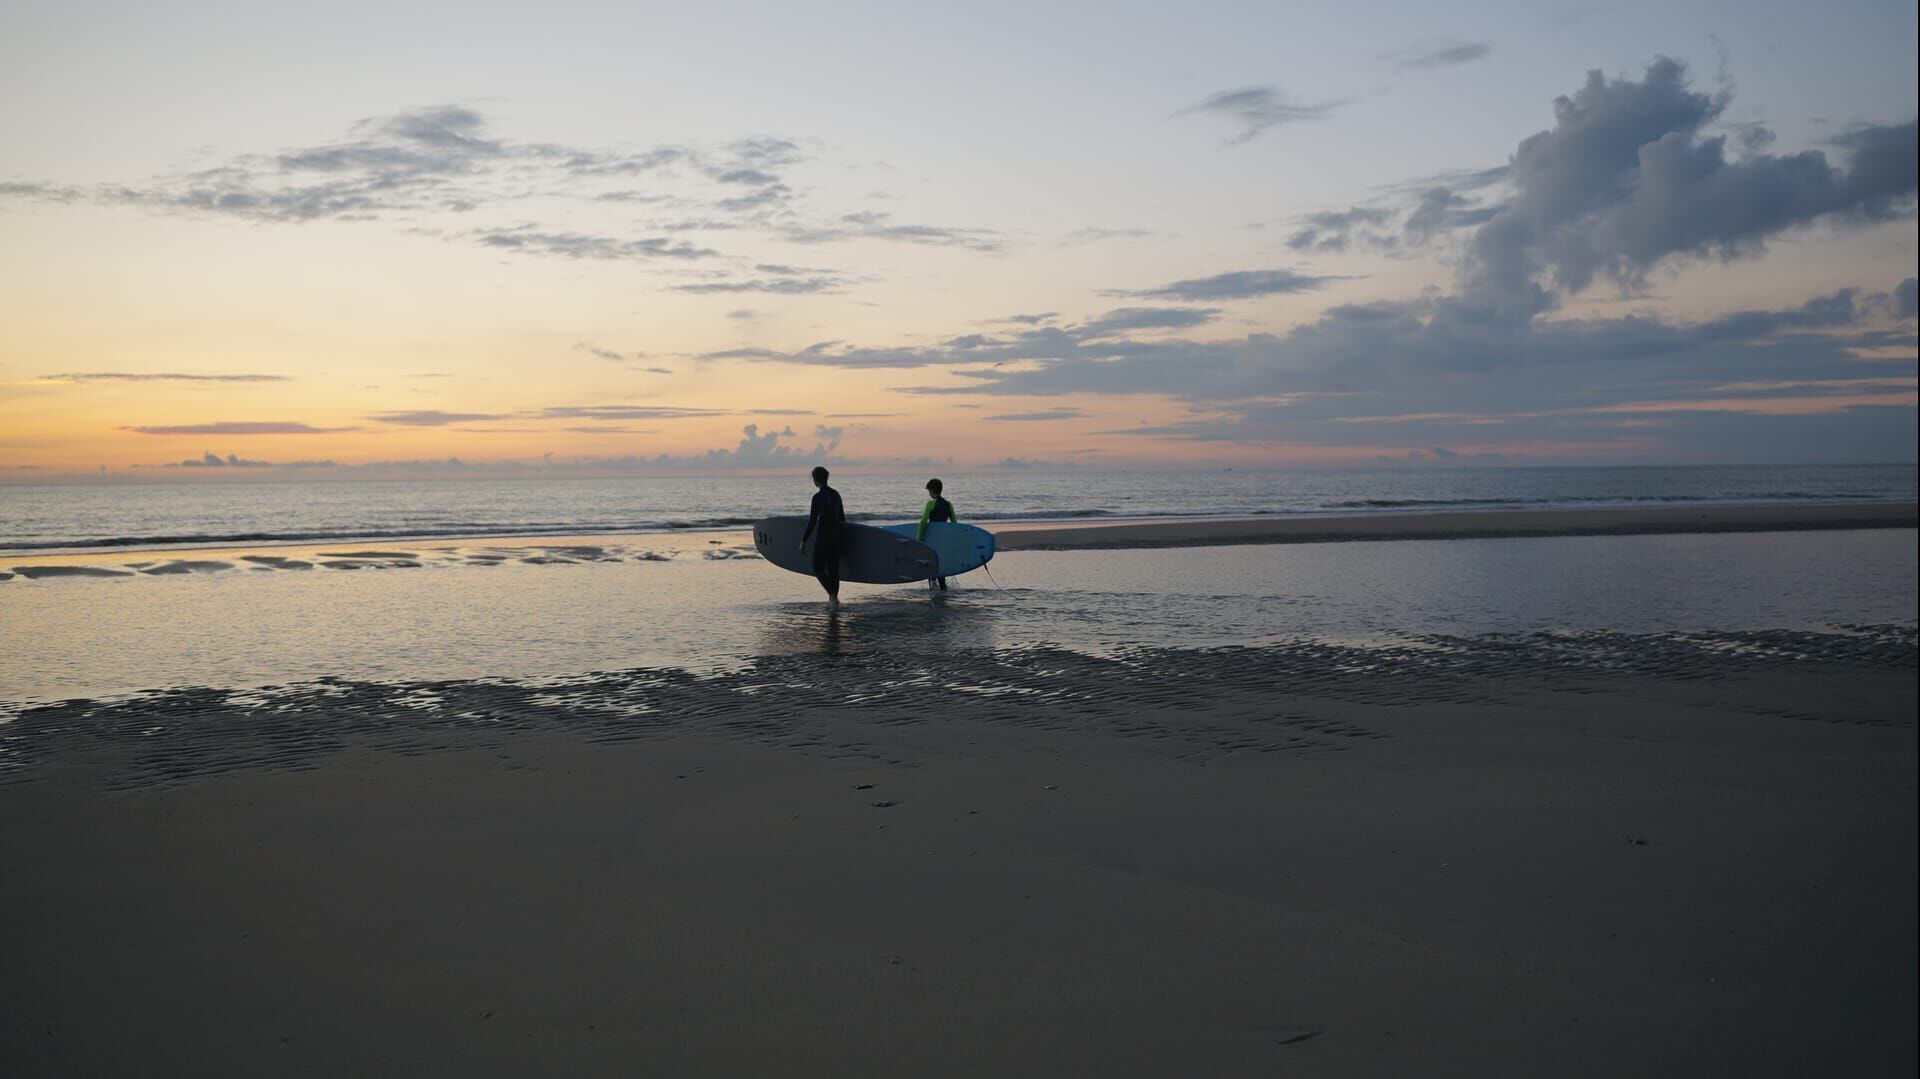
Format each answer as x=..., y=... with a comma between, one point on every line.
x=76, y=637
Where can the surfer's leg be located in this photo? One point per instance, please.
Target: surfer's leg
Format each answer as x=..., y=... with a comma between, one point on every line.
x=826, y=566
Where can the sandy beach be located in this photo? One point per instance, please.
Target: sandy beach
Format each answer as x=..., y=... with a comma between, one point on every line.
x=1592, y=855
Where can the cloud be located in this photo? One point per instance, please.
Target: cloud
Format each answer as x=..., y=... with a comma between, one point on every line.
x=1442, y=209
x=622, y=412
x=1905, y=296
x=1127, y=319
x=756, y=449
x=872, y=225
x=1038, y=417
x=1254, y=109
x=1333, y=231
x=608, y=354
x=431, y=171
x=256, y=427
x=1096, y=235
x=1427, y=56
x=442, y=161
x=1037, y=343
x=528, y=240
x=746, y=176
x=125, y=376
x=1626, y=180
x=763, y=152
x=1238, y=285
x=432, y=417
x=779, y=286
x=214, y=460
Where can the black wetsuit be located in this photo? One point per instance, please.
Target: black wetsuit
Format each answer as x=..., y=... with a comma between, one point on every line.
x=829, y=518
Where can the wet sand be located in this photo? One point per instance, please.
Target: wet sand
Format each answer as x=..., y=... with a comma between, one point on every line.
x=1479, y=524
x=1591, y=854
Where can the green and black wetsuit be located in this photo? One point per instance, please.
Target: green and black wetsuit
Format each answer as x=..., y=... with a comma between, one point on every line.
x=937, y=509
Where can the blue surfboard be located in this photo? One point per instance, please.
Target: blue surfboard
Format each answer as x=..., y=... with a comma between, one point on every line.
x=960, y=547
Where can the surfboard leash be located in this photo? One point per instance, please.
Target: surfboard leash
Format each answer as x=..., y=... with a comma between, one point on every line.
x=996, y=583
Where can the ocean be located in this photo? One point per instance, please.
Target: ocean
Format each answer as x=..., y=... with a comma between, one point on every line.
x=178, y=514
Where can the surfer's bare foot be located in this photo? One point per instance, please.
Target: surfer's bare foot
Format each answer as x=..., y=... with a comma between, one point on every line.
x=833, y=603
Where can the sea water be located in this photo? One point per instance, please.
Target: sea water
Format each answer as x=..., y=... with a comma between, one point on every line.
x=437, y=611
x=157, y=515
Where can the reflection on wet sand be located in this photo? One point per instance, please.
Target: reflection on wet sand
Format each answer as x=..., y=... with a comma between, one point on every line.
x=888, y=622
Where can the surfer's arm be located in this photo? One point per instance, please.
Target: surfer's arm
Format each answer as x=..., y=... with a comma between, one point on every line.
x=813, y=518
x=926, y=514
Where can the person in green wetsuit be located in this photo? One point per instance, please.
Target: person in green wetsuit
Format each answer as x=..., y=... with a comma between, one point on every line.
x=937, y=509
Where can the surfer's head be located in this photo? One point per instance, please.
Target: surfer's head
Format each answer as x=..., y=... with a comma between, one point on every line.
x=820, y=475
x=933, y=487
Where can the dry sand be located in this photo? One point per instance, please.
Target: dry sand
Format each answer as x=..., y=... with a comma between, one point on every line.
x=1591, y=855
x=1480, y=524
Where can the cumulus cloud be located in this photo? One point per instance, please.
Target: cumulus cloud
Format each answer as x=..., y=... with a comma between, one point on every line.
x=1255, y=109
x=756, y=449
x=1238, y=285
x=1627, y=179
x=214, y=460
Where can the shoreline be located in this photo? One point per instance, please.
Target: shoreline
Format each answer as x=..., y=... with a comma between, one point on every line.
x=1473, y=524
x=1145, y=532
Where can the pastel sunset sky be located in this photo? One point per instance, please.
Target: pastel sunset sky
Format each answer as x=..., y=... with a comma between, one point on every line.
x=272, y=240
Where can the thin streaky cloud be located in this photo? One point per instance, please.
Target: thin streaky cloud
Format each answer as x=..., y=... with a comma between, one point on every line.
x=1437, y=54
x=1235, y=285
x=778, y=286
x=611, y=355
x=1090, y=235
x=237, y=427
x=432, y=417
x=1038, y=417
x=163, y=376
x=1255, y=109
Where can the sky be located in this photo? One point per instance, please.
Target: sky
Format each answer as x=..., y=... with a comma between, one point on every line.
x=261, y=240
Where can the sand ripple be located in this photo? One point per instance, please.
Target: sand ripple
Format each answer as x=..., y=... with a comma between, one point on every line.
x=1197, y=705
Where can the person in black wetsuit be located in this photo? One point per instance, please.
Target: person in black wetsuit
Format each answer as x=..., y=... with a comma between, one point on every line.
x=937, y=509
x=828, y=518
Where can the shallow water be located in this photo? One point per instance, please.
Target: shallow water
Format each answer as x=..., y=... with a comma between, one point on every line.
x=406, y=614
